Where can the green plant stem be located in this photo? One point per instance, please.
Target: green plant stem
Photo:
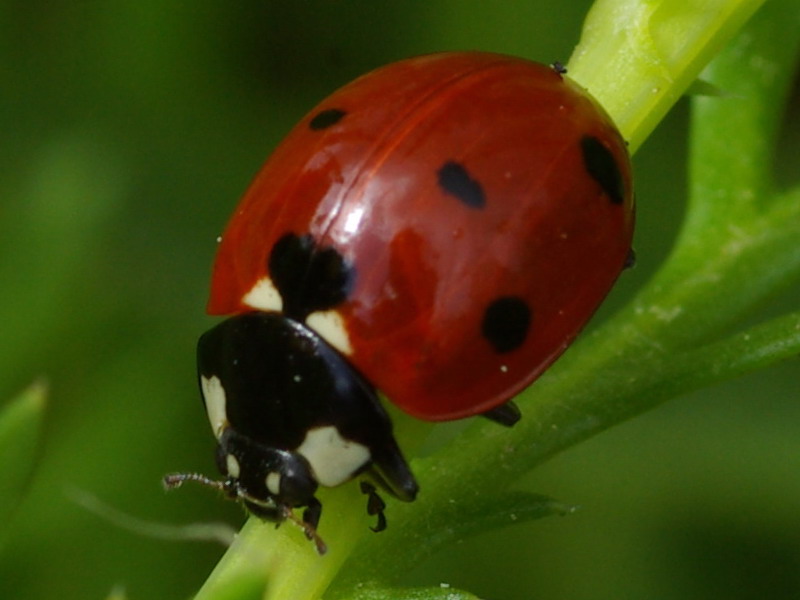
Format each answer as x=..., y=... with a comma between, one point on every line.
x=284, y=563
x=637, y=57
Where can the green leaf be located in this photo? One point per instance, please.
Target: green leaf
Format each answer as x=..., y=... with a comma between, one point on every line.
x=486, y=512
x=451, y=522
x=20, y=433
x=443, y=592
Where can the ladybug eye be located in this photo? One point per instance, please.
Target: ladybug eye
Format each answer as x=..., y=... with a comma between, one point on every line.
x=602, y=166
x=455, y=180
x=505, y=323
x=326, y=118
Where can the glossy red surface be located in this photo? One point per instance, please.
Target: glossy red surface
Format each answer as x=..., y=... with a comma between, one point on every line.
x=426, y=265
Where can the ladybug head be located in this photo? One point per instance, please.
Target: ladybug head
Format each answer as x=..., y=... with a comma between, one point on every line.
x=267, y=480
x=285, y=482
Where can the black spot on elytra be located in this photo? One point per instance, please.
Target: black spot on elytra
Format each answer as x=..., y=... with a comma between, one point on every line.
x=308, y=278
x=326, y=118
x=601, y=165
x=506, y=322
x=455, y=180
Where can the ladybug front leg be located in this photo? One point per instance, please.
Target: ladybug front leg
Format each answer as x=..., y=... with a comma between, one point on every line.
x=375, y=505
x=312, y=514
x=310, y=522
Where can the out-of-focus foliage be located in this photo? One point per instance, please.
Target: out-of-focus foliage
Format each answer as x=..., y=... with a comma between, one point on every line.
x=130, y=130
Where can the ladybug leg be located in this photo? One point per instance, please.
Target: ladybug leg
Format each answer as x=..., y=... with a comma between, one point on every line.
x=309, y=523
x=312, y=514
x=375, y=505
x=278, y=513
x=506, y=414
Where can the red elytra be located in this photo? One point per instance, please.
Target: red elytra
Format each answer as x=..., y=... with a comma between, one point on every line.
x=485, y=204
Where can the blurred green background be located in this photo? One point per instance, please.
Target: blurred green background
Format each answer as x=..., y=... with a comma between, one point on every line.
x=130, y=129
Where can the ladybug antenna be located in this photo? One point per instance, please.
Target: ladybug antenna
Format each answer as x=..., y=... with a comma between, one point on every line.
x=171, y=481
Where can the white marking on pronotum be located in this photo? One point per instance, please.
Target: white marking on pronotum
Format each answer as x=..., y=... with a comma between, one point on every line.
x=232, y=466
x=330, y=326
x=273, y=482
x=333, y=459
x=264, y=296
x=214, y=396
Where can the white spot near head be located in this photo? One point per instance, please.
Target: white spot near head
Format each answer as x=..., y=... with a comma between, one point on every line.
x=264, y=296
x=330, y=326
x=232, y=466
x=214, y=398
x=274, y=483
x=333, y=459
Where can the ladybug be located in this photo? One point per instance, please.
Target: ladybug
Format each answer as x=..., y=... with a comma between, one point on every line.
x=438, y=230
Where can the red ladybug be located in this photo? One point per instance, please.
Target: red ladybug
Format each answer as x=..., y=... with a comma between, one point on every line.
x=440, y=230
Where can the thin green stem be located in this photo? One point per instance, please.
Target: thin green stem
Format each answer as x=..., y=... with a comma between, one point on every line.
x=637, y=57
x=282, y=561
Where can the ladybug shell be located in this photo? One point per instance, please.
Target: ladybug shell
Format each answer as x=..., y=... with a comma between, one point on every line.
x=483, y=204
